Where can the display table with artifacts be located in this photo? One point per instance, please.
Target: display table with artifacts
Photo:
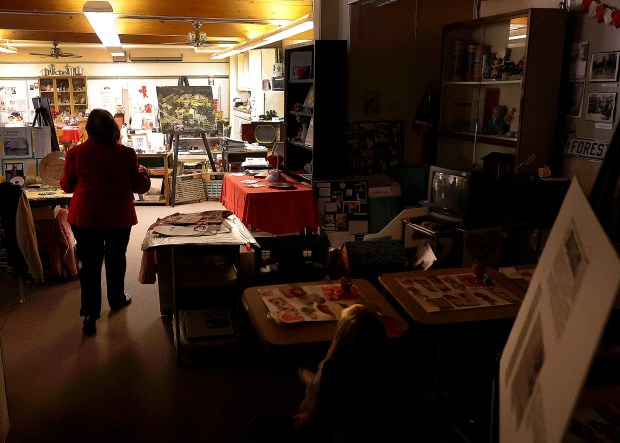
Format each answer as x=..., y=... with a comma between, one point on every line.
x=303, y=313
x=197, y=258
x=279, y=208
x=456, y=295
x=47, y=196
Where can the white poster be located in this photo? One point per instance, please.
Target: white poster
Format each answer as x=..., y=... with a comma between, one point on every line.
x=559, y=325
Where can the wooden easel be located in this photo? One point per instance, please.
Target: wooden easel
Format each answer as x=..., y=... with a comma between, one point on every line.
x=42, y=117
x=173, y=139
x=175, y=146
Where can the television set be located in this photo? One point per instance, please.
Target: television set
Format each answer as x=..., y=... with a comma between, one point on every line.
x=465, y=198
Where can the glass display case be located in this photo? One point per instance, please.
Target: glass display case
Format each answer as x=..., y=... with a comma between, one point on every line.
x=501, y=88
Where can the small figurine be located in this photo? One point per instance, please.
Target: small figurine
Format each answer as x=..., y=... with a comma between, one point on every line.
x=495, y=125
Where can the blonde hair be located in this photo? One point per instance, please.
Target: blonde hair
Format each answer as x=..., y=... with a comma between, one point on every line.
x=360, y=334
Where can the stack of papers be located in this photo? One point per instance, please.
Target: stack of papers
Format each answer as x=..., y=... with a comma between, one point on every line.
x=232, y=145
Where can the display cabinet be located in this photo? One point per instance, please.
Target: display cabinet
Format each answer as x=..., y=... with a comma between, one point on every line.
x=315, y=108
x=67, y=94
x=500, y=89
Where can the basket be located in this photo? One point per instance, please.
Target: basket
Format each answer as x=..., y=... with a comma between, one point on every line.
x=189, y=188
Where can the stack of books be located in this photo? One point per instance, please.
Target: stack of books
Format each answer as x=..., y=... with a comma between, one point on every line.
x=232, y=145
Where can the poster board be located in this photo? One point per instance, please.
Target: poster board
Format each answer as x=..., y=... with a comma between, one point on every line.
x=558, y=328
x=185, y=108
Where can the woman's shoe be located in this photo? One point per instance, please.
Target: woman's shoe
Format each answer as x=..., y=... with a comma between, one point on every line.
x=90, y=326
x=124, y=303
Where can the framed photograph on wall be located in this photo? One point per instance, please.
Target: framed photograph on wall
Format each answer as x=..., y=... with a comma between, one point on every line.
x=601, y=106
x=604, y=67
x=578, y=61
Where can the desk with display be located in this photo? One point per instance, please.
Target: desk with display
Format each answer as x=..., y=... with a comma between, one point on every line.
x=274, y=333
x=448, y=296
x=277, y=211
x=49, y=196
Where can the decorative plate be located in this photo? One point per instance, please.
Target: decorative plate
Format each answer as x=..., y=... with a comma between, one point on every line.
x=18, y=180
x=52, y=167
x=282, y=185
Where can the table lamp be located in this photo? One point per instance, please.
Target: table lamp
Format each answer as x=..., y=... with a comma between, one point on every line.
x=274, y=175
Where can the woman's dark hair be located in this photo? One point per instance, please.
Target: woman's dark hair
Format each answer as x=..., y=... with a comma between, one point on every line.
x=102, y=127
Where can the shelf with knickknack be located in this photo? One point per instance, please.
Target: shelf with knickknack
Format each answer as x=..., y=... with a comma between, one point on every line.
x=67, y=94
x=500, y=89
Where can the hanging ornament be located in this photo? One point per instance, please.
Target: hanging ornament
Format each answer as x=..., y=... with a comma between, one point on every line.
x=592, y=10
x=599, y=11
x=615, y=18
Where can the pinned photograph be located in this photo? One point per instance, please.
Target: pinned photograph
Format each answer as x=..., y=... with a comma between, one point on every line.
x=604, y=67
x=578, y=61
x=601, y=106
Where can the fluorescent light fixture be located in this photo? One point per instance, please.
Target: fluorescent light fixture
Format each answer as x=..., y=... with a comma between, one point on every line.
x=101, y=18
x=370, y=2
x=302, y=24
x=203, y=50
x=116, y=52
x=6, y=48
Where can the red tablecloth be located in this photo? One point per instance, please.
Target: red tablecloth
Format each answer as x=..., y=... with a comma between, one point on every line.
x=271, y=210
x=71, y=134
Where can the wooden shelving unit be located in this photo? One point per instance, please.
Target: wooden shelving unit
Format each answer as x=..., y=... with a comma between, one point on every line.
x=66, y=93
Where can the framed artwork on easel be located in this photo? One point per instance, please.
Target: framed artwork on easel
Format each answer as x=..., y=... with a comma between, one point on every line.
x=185, y=108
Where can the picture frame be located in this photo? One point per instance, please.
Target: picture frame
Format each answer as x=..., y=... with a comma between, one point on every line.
x=15, y=142
x=578, y=61
x=12, y=169
x=601, y=106
x=140, y=142
x=604, y=66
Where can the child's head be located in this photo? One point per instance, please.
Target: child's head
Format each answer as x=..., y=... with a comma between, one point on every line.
x=360, y=333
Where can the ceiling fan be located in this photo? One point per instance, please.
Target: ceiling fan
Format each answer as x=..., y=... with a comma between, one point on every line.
x=198, y=38
x=56, y=52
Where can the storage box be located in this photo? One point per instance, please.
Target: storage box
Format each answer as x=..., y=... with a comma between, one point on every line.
x=369, y=259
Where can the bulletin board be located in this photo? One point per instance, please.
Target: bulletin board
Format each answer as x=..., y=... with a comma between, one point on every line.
x=343, y=205
x=375, y=147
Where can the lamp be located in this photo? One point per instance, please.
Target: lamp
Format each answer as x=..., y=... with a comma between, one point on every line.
x=302, y=24
x=8, y=49
x=101, y=18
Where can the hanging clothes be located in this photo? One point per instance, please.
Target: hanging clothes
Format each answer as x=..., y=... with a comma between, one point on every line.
x=19, y=252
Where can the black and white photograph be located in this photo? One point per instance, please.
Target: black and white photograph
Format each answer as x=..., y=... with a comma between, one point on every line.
x=16, y=147
x=575, y=98
x=578, y=61
x=601, y=106
x=604, y=67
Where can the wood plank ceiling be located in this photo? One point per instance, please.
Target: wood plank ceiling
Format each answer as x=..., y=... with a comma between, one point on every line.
x=152, y=26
